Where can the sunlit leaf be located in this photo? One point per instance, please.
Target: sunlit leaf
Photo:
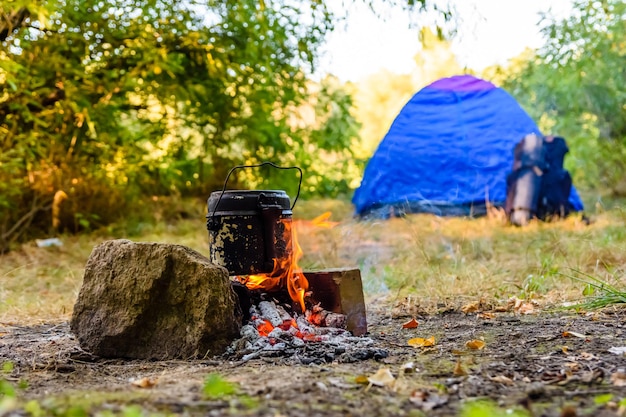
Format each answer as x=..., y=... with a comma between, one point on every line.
x=421, y=342
x=574, y=334
x=471, y=307
x=382, y=378
x=361, y=379
x=411, y=324
x=475, y=344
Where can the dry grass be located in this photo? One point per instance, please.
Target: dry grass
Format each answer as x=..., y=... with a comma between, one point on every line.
x=422, y=262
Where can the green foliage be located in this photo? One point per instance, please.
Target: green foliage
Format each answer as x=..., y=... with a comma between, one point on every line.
x=116, y=101
x=7, y=367
x=576, y=87
x=217, y=387
x=599, y=292
x=380, y=97
x=489, y=409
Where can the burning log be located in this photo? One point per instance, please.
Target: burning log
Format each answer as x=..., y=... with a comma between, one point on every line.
x=340, y=291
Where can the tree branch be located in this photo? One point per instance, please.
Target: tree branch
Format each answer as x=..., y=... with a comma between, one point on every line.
x=10, y=22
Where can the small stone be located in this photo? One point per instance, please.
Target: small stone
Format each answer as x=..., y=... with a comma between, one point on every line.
x=535, y=390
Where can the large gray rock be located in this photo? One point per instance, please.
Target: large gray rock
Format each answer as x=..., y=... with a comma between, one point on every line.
x=154, y=301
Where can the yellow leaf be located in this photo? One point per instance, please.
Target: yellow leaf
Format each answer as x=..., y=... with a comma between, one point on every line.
x=411, y=324
x=475, y=344
x=361, y=379
x=471, y=307
x=157, y=69
x=382, y=377
x=421, y=342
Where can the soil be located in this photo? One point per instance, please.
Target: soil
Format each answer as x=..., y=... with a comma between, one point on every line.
x=544, y=364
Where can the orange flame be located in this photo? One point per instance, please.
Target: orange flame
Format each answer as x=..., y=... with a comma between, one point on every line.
x=322, y=221
x=286, y=271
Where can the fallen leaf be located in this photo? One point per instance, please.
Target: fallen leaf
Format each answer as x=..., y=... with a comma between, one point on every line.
x=502, y=379
x=361, y=379
x=574, y=334
x=144, y=382
x=381, y=378
x=486, y=315
x=587, y=356
x=411, y=324
x=520, y=306
x=618, y=379
x=618, y=350
x=471, y=307
x=458, y=369
x=475, y=344
x=421, y=342
x=565, y=349
x=526, y=308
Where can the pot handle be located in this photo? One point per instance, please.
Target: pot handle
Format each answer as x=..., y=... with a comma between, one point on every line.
x=257, y=166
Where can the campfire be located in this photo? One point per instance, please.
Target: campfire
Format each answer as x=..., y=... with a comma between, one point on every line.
x=252, y=234
x=286, y=273
x=288, y=276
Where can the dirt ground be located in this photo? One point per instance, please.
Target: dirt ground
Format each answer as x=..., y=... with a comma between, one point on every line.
x=543, y=364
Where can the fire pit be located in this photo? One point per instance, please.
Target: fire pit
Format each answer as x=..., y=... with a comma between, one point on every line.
x=251, y=234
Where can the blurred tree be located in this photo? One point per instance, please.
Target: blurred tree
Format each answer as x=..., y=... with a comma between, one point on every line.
x=576, y=87
x=380, y=97
x=114, y=100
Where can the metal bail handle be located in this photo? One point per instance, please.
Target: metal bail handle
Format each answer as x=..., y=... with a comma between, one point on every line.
x=256, y=166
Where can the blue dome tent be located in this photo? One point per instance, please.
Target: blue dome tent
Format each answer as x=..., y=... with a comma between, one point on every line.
x=448, y=152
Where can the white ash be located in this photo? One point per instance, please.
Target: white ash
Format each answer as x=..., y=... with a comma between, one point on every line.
x=305, y=344
x=269, y=311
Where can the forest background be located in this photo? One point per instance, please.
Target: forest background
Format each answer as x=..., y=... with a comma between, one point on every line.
x=117, y=107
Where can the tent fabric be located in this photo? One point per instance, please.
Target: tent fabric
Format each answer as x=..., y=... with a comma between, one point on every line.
x=448, y=152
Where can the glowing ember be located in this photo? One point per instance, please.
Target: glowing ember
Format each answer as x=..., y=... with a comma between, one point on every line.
x=286, y=271
x=264, y=327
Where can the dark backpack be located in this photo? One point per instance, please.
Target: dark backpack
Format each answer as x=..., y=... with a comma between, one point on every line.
x=538, y=186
